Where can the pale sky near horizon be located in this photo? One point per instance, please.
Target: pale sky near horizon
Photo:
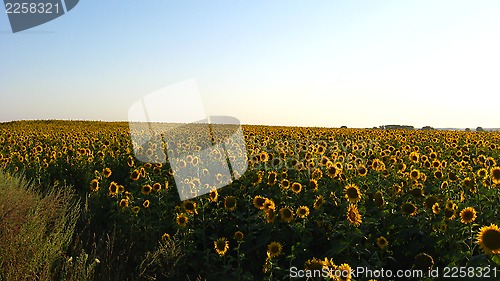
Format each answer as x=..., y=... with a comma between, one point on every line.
x=299, y=63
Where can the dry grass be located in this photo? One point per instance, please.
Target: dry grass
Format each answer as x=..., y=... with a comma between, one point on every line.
x=35, y=229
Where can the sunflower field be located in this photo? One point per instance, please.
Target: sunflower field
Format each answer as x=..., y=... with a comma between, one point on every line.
x=313, y=199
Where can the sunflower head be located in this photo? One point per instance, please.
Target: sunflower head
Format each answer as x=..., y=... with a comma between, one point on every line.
x=146, y=189
x=302, y=211
x=495, y=175
x=468, y=215
x=274, y=249
x=296, y=187
x=423, y=262
x=436, y=209
x=378, y=199
x=135, y=175
x=113, y=188
x=123, y=203
x=353, y=215
x=230, y=203
x=269, y=205
x=352, y=193
x=489, y=239
x=285, y=183
x=258, y=202
x=156, y=187
x=382, y=242
x=286, y=214
x=190, y=207
x=409, y=209
x=213, y=195
x=314, y=264
x=182, y=220
x=238, y=236
x=94, y=185
x=320, y=200
x=313, y=184
x=106, y=172
x=221, y=246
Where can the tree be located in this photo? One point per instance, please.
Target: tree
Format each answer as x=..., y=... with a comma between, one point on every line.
x=479, y=129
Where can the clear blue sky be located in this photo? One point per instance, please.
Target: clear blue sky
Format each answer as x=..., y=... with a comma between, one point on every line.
x=307, y=63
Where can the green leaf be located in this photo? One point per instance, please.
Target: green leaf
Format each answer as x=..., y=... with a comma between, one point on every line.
x=496, y=259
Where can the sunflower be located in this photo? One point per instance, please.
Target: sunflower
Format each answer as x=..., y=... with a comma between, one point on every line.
x=165, y=237
x=414, y=156
x=409, y=209
x=123, y=203
x=270, y=216
x=320, y=200
x=269, y=205
x=258, y=202
x=296, y=187
x=468, y=215
x=382, y=242
x=135, y=175
x=113, y=188
x=362, y=171
x=313, y=184
x=452, y=176
x=352, y=193
x=378, y=199
x=285, y=183
x=378, y=165
x=230, y=203
x=314, y=264
x=415, y=174
x=190, y=207
x=156, y=187
x=332, y=171
x=274, y=249
x=495, y=175
x=130, y=161
x=444, y=185
x=302, y=211
x=317, y=174
x=221, y=246
x=214, y=195
x=146, y=189
x=438, y=174
x=238, y=236
x=182, y=219
x=436, y=209
x=94, y=185
x=286, y=214
x=489, y=239
x=264, y=156
x=482, y=173
x=344, y=272
x=271, y=178
x=145, y=204
x=353, y=215
x=106, y=172
x=136, y=209
x=423, y=262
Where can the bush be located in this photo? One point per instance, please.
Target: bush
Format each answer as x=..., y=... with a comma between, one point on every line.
x=35, y=229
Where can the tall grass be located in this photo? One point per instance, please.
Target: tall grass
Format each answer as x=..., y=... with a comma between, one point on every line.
x=35, y=230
